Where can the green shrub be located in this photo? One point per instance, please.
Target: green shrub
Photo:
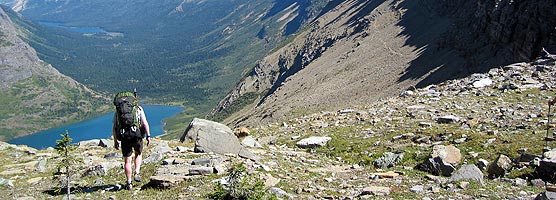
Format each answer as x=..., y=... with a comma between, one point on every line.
x=240, y=186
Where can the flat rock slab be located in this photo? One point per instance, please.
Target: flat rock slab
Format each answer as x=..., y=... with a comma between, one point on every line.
x=389, y=174
x=313, y=142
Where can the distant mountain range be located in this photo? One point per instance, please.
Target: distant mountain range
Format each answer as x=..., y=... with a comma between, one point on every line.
x=33, y=95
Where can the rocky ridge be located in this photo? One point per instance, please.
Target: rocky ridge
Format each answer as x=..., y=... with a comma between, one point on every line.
x=476, y=137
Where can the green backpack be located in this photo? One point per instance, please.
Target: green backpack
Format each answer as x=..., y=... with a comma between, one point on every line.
x=127, y=119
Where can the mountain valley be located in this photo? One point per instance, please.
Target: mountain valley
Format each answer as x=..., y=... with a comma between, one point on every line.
x=325, y=99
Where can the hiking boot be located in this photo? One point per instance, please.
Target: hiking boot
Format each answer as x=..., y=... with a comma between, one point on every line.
x=137, y=178
x=128, y=186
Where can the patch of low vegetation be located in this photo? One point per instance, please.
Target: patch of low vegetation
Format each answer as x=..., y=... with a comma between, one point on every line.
x=240, y=185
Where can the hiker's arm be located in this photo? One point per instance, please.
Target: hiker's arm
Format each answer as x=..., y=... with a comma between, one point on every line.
x=114, y=132
x=145, y=124
x=146, y=127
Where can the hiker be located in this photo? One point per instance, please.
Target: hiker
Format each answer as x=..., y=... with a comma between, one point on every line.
x=129, y=127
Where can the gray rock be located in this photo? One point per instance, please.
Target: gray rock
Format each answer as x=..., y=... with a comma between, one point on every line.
x=249, y=141
x=417, y=189
x=178, y=161
x=548, y=195
x=6, y=182
x=99, y=181
x=281, y=193
x=162, y=149
x=214, y=137
x=101, y=169
x=201, y=170
x=499, y=167
x=105, y=143
x=467, y=172
x=550, y=155
x=407, y=93
x=313, y=142
x=425, y=124
x=157, y=153
x=167, y=161
x=154, y=157
x=538, y=183
x=520, y=182
x=449, y=154
x=482, y=83
x=181, y=149
x=423, y=139
x=448, y=119
x=89, y=143
x=442, y=160
x=202, y=161
x=388, y=159
x=437, y=166
x=460, y=140
x=41, y=164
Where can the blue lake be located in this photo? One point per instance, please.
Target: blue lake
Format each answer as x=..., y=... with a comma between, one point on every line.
x=83, y=30
x=97, y=128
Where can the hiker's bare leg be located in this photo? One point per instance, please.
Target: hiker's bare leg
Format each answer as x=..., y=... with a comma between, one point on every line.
x=127, y=168
x=138, y=160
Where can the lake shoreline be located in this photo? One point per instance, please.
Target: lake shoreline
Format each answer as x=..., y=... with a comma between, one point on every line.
x=97, y=127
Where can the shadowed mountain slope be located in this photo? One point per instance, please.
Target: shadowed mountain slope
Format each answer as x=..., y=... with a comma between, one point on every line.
x=359, y=51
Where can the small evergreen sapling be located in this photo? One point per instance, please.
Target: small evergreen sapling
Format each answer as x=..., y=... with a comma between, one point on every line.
x=241, y=185
x=65, y=149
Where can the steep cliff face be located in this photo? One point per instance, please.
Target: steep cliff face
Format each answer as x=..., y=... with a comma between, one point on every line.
x=33, y=95
x=363, y=50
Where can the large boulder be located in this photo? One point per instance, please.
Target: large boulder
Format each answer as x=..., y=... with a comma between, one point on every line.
x=467, y=172
x=449, y=154
x=500, y=166
x=313, y=142
x=547, y=166
x=215, y=137
x=442, y=160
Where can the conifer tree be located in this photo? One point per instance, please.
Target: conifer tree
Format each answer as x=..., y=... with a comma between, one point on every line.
x=65, y=149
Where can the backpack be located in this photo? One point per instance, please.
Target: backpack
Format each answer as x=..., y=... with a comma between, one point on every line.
x=127, y=119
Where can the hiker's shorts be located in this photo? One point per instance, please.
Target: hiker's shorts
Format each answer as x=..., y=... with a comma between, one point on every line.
x=128, y=146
